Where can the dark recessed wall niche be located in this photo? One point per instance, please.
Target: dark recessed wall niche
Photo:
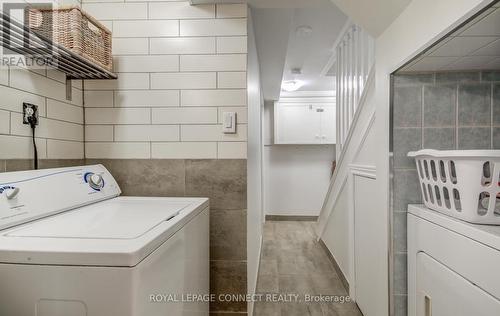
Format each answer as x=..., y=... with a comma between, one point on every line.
x=443, y=110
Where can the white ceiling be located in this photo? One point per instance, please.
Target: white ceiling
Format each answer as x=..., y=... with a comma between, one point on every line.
x=373, y=15
x=272, y=28
x=474, y=46
x=312, y=53
x=280, y=48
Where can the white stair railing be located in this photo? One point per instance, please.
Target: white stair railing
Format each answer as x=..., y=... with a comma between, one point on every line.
x=355, y=57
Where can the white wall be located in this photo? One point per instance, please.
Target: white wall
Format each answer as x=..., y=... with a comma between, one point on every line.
x=336, y=235
x=296, y=177
x=254, y=165
x=179, y=67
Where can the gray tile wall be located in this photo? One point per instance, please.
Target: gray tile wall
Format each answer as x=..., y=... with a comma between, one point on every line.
x=27, y=164
x=453, y=110
x=223, y=181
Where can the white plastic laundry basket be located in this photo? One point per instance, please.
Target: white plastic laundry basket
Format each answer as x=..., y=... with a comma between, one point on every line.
x=461, y=183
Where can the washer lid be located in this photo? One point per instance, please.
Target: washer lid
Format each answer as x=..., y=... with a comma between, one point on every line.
x=119, y=232
x=112, y=219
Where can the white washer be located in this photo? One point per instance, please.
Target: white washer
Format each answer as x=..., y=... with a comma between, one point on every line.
x=71, y=246
x=453, y=266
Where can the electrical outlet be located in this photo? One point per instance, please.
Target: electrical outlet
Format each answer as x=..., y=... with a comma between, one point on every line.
x=30, y=114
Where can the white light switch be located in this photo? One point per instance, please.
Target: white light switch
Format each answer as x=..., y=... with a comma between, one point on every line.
x=229, y=122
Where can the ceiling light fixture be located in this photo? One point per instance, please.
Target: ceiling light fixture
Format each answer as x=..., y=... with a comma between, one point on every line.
x=292, y=85
x=303, y=31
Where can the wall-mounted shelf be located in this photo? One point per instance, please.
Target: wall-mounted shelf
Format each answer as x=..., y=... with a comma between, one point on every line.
x=73, y=65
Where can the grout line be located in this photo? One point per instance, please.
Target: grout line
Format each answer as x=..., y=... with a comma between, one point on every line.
x=49, y=118
x=49, y=138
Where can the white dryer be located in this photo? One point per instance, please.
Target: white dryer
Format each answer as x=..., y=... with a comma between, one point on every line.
x=71, y=246
x=453, y=266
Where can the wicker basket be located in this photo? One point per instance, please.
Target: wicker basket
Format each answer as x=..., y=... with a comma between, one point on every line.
x=74, y=30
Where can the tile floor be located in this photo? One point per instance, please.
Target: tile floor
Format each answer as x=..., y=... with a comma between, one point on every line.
x=294, y=262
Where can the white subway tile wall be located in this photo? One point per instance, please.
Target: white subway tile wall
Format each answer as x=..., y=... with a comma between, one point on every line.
x=61, y=149
x=214, y=62
x=4, y=76
x=183, y=45
x=60, y=133
x=180, y=10
x=161, y=63
x=98, y=98
x=4, y=122
x=179, y=68
x=62, y=111
x=181, y=150
x=117, y=11
x=122, y=150
x=183, y=115
x=42, y=85
x=232, y=80
x=16, y=147
x=219, y=27
x=184, y=80
x=99, y=133
x=143, y=28
x=146, y=98
x=232, y=11
x=235, y=45
x=235, y=150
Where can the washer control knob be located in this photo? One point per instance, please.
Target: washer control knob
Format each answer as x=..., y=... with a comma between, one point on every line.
x=95, y=181
x=11, y=193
